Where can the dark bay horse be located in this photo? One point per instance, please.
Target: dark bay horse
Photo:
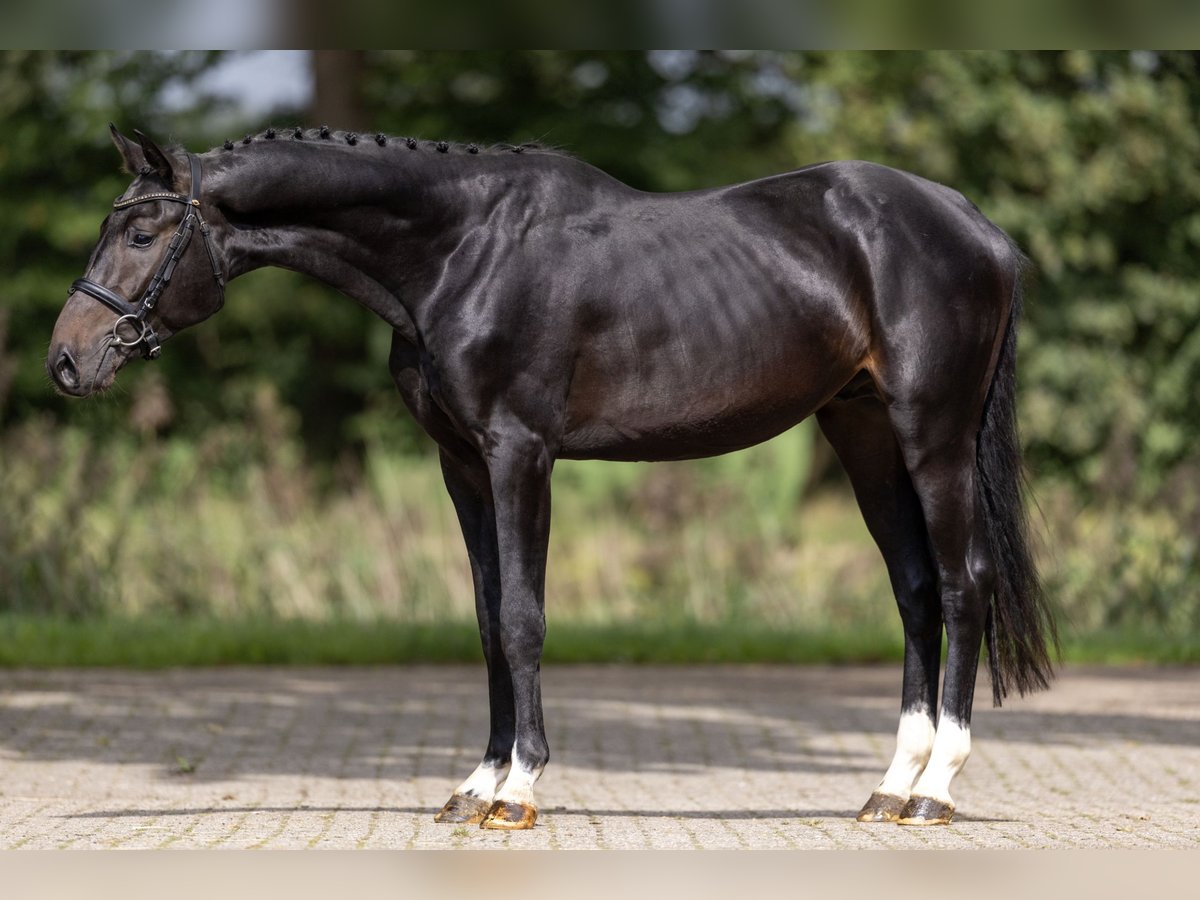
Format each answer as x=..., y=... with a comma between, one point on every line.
x=544, y=310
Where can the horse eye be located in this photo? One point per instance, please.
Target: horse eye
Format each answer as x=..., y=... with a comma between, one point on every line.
x=142, y=240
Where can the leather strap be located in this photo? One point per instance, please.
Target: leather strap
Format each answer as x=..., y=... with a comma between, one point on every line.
x=111, y=299
x=166, y=269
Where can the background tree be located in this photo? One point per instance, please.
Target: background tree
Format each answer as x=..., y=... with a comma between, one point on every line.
x=1082, y=158
x=1086, y=158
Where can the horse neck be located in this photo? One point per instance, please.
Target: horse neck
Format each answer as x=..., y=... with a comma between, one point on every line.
x=376, y=223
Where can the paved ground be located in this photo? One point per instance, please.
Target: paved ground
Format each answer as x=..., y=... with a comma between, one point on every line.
x=643, y=757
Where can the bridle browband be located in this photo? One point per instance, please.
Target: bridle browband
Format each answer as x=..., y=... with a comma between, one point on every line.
x=139, y=315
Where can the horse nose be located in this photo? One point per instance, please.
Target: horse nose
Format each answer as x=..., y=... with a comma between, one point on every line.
x=63, y=369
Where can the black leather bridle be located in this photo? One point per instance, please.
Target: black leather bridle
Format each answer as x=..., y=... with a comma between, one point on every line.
x=139, y=315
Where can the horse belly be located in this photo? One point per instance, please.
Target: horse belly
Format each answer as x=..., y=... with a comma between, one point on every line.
x=697, y=342
x=706, y=409
x=614, y=439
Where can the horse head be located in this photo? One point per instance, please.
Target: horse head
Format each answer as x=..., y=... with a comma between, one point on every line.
x=146, y=246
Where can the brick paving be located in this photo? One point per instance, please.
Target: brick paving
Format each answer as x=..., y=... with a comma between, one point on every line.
x=642, y=757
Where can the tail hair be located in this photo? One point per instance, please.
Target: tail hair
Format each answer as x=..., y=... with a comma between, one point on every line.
x=1020, y=630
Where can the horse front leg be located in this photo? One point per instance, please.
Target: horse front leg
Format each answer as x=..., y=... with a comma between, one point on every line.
x=520, y=465
x=469, y=488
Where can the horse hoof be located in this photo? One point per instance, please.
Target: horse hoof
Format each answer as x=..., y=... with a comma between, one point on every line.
x=926, y=811
x=463, y=809
x=508, y=816
x=882, y=808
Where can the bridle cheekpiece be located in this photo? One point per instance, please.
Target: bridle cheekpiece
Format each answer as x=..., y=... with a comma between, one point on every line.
x=139, y=316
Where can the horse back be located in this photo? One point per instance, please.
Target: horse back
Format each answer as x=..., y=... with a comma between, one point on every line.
x=658, y=326
x=713, y=320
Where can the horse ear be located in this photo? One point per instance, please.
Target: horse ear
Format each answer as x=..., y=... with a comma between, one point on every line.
x=155, y=158
x=130, y=152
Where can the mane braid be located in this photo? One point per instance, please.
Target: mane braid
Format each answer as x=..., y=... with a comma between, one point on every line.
x=382, y=140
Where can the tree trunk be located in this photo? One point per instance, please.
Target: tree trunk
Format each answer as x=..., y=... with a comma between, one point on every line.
x=337, y=95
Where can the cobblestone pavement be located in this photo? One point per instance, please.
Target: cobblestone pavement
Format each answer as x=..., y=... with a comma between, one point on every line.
x=643, y=757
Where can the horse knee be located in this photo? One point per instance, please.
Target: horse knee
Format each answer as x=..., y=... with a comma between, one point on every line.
x=522, y=638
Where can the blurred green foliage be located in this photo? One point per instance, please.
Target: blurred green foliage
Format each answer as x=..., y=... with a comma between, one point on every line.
x=234, y=527
x=1088, y=159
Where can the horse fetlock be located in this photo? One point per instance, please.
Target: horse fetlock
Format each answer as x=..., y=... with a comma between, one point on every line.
x=930, y=798
x=914, y=746
x=473, y=798
x=485, y=781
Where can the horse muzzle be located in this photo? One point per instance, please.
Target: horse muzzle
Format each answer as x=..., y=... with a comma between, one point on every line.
x=76, y=374
x=63, y=370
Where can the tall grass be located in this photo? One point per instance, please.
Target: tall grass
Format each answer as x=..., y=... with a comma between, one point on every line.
x=239, y=526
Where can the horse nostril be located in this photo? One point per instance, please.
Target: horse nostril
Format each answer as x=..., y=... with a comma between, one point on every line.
x=64, y=368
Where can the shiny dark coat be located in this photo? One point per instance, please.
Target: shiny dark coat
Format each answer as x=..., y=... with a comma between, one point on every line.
x=544, y=310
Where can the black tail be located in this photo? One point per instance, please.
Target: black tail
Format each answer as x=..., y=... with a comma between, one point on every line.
x=1020, y=626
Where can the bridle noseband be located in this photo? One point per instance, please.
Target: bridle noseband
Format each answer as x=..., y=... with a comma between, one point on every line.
x=139, y=315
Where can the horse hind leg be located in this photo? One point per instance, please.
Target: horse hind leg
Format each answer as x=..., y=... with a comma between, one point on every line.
x=939, y=453
x=862, y=436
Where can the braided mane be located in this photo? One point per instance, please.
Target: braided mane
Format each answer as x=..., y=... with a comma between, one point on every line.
x=325, y=135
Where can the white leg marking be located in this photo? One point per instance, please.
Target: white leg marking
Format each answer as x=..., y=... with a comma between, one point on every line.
x=951, y=748
x=914, y=743
x=518, y=787
x=484, y=781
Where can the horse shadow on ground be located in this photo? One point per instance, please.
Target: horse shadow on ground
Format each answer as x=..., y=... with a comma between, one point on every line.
x=404, y=723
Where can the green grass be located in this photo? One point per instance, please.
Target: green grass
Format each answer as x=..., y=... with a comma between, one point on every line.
x=1133, y=647
x=158, y=642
